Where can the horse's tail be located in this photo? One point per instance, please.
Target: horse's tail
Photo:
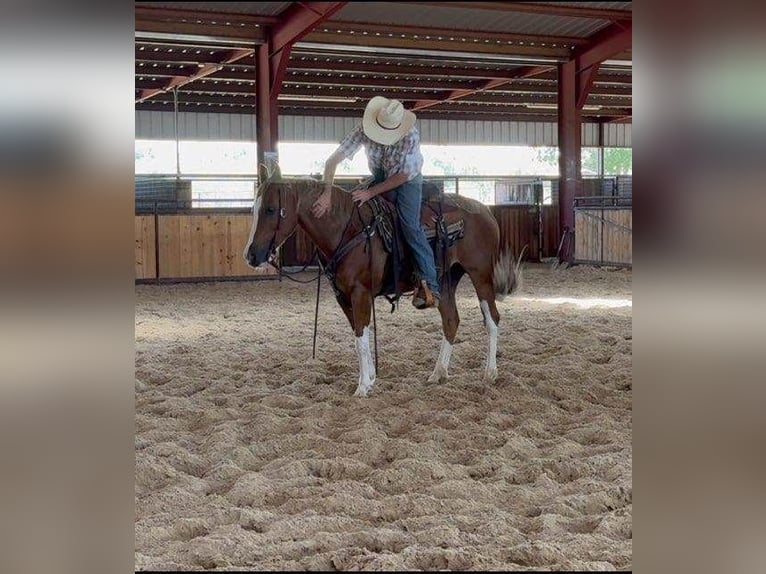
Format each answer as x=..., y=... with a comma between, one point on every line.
x=507, y=276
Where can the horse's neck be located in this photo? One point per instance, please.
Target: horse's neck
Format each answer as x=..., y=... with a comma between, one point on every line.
x=326, y=232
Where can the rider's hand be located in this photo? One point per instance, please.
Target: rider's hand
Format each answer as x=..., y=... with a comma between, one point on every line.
x=322, y=204
x=362, y=195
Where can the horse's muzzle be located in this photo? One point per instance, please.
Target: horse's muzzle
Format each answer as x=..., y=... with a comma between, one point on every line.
x=257, y=257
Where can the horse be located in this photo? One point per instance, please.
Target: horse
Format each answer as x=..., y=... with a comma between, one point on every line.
x=281, y=206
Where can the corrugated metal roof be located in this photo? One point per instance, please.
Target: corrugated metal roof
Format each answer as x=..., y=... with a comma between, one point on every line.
x=258, y=8
x=346, y=65
x=467, y=19
x=600, y=5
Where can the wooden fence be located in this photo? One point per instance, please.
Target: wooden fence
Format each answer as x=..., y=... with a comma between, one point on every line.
x=604, y=235
x=210, y=245
x=185, y=246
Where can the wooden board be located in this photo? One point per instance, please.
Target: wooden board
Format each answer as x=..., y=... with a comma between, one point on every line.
x=518, y=227
x=604, y=235
x=618, y=235
x=551, y=231
x=145, y=261
x=210, y=245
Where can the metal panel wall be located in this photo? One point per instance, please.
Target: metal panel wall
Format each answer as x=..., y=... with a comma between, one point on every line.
x=195, y=126
x=589, y=135
x=241, y=127
x=618, y=135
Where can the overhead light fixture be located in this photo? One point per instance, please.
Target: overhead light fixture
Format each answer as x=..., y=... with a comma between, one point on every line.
x=590, y=108
x=298, y=98
x=436, y=54
x=618, y=63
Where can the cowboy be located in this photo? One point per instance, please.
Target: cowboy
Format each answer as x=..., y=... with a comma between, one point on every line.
x=392, y=144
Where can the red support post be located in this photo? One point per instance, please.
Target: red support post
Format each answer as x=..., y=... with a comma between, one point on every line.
x=271, y=62
x=569, y=156
x=576, y=79
x=266, y=119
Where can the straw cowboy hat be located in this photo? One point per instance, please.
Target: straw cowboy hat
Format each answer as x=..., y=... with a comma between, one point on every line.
x=386, y=121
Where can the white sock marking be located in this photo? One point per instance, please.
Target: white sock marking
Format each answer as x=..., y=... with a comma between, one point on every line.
x=442, y=363
x=366, y=364
x=490, y=372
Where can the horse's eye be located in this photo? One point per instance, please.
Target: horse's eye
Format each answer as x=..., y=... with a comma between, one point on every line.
x=270, y=211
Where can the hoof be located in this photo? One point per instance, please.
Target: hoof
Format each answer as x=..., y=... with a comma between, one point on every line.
x=364, y=390
x=438, y=377
x=490, y=375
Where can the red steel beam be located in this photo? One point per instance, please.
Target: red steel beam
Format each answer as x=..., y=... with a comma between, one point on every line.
x=179, y=81
x=605, y=44
x=293, y=24
x=532, y=8
x=570, y=175
x=585, y=80
x=525, y=72
x=298, y=20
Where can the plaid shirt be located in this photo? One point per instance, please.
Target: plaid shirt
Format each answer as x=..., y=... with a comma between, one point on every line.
x=402, y=157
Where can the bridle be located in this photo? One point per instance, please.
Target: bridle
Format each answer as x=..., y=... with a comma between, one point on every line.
x=281, y=214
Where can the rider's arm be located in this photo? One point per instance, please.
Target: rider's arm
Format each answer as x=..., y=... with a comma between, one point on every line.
x=348, y=147
x=388, y=184
x=329, y=169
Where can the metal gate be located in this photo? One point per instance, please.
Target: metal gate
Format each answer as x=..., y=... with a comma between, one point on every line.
x=604, y=231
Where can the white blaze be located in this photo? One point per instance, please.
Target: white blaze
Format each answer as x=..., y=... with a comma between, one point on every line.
x=256, y=209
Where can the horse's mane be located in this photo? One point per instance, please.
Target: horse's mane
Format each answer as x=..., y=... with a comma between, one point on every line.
x=306, y=186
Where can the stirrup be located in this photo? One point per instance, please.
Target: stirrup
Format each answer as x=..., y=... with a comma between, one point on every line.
x=424, y=298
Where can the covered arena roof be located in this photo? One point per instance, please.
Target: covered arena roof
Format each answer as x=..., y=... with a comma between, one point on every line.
x=456, y=60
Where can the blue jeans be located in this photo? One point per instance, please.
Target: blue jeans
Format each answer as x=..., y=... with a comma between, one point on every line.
x=408, y=197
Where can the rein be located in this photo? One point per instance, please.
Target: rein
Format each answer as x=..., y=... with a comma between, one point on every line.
x=341, y=250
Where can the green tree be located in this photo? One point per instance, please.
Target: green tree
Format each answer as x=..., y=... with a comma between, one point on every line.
x=548, y=156
x=618, y=161
x=589, y=158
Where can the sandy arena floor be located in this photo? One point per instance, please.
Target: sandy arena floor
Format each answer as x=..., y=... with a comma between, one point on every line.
x=249, y=454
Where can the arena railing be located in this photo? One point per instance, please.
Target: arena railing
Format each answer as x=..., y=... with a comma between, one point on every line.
x=170, y=193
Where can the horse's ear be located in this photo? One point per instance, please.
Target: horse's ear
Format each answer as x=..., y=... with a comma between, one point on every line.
x=273, y=173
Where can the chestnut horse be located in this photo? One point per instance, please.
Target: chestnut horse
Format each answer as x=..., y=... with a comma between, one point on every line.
x=283, y=205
